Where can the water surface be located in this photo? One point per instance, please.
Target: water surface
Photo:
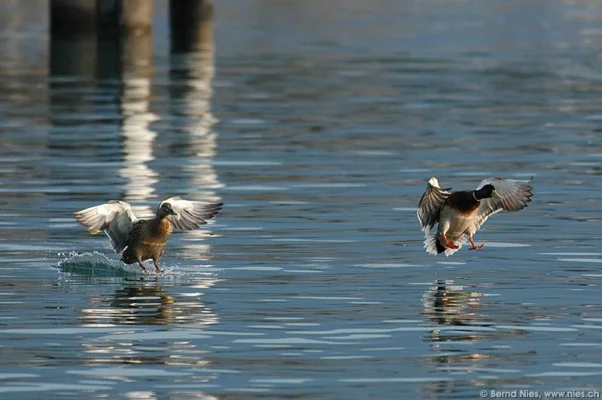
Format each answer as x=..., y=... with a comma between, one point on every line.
x=318, y=125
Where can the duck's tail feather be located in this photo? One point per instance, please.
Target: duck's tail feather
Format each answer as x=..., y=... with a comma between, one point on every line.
x=440, y=247
x=433, y=245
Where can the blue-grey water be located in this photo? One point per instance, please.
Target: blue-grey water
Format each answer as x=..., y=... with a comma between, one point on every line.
x=318, y=124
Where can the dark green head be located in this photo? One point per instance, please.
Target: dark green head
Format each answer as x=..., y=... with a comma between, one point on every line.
x=165, y=210
x=486, y=192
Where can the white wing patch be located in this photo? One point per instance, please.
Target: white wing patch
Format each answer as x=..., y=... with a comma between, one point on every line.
x=514, y=196
x=115, y=218
x=190, y=214
x=430, y=204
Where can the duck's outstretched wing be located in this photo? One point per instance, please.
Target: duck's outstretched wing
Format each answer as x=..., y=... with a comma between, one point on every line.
x=514, y=196
x=190, y=214
x=115, y=218
x=430, y=204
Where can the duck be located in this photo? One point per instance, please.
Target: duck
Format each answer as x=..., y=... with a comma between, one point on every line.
x=460, y=214
x=138, y=240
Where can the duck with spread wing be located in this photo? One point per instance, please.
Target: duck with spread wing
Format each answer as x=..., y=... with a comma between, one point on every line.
x=460, y=214
x=142, y=239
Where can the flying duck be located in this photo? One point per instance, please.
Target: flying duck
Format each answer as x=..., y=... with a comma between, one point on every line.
x=142, y=239
x=460, y=214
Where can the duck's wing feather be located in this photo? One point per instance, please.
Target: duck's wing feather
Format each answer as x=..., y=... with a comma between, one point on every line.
x=430, y=204
x=514, y=196
x=115, y=218
x=190, y=214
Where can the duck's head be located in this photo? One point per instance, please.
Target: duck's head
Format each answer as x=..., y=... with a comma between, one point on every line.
x=165, y=210
x=486, y=192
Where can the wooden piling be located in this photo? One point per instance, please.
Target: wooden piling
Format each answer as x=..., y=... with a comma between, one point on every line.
x=125, y=38
x=104, y=37
x=69, y=17
x=104, y=16
x=125, y=16
x=191, y=27
x=73, y=38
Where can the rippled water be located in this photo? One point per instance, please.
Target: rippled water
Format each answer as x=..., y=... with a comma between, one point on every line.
x=318, y=125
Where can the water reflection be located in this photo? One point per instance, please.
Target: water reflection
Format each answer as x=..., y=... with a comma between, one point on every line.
x=192, y=138
x=162, y=154
x=148, y=303
x=191, y=75
x=364, y=106
x=449, y=304
x=138, y=141
x=446, y=304
x=192, y=135
x=180, y=395
x=144, y=304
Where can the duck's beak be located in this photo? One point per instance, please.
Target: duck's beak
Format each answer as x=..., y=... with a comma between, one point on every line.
x=168, y=210
x=495, y=194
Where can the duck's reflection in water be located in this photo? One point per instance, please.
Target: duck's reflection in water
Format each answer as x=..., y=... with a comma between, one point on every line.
x=448, y=304
x=458, y=321
x=148, y=303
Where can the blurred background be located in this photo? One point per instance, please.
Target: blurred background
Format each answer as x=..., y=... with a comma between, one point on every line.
x=318, y=124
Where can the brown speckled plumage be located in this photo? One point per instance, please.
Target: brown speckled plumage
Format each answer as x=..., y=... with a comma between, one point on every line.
x=140, y=240
x=146, y=241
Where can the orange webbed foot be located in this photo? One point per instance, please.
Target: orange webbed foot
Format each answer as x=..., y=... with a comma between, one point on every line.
x=449, y=244
x=474, y=245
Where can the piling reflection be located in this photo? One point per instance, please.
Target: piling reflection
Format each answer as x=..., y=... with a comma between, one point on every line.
x=138, y=141
x=136, y=73
x=191, y=74
x=74, y=56
x=192, y=137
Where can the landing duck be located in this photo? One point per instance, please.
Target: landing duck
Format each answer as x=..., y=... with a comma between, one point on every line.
x=460, y=214
x=138, y=240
